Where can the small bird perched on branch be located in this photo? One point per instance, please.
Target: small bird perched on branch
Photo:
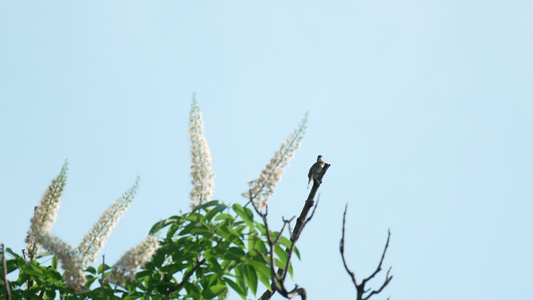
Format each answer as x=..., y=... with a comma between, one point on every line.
x=315, y=169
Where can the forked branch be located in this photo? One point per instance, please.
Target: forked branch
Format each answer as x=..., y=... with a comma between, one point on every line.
x=360, y=288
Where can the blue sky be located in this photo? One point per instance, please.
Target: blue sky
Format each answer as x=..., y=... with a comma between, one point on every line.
x=423, y=108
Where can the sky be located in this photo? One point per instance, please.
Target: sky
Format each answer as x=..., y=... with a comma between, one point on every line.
x=423, y=109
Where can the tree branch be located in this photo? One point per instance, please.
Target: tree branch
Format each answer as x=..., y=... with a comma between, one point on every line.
x=295, y=235
x=381, y=261
x=4, y=267
x=297, y=291
x=360, y=288
x=102, y=280
x=314, y=209
x=300, y=222
x=388, y=278
x=352, y=275
x=185, y=278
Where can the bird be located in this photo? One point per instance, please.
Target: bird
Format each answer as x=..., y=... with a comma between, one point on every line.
x=315, y=169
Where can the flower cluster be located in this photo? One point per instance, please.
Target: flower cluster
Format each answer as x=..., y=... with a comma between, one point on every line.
x=262, y=188
x=69, y=259
x=46, y=213
x=95, y=239
x=128, y=265
x=74, y=261
x=40, y=235
x=203, y=177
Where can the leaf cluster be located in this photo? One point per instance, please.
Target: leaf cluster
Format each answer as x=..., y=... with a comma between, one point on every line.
x=202, y=255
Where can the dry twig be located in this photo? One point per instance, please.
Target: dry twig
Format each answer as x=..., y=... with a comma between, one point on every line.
x=4, y=267
x=102, y=280
x=360, y=288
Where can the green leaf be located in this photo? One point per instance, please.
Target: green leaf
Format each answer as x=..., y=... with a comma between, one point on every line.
x=212, y=286
x=54, y=275
x=36, y=269
x=297, y=252
x=244, y=215
x=91, y=270
x=234, y=253
x=235, y=287
x=172, y=230
x=194, y=217
x=282, y=255
x=215, y=266
x=261, y=268
x=234, y=235
x=54, y=262
x=256, y=244
x=251, y=278
x=142, y=274
x=106, y=267
x=239, y=276
x=290, y=270
x=164, y=223
x=12, y=265
x=8, y=250
x=251, y=242
x=217, y=289
x=287, y=243
x=192, y=290
x=265, y=281
x=261, y=228
x=224, y=216
x=173, y=268
x=210, y=214
x=209, y=204
x=50, y=295
x=195, y=228
x=158, y=258
x=200, y=228
x=263, y=273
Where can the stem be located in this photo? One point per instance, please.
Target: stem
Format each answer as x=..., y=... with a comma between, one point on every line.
x=102, y=280
x=6, y=282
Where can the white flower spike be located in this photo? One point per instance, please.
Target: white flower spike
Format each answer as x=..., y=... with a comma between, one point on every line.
x=262, y=188
x=203, y=177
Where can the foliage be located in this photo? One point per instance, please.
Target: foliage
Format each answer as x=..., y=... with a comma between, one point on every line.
x=203, y=254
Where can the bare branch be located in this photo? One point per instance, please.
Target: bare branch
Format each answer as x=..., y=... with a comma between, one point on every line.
x=257, y=210
x=295, y=235
x=102, y=280
x=352, y=275
x=297, y=291
x=378, y=269
x=360, y=288
x=314, y=209
x=285, y=222
x=300, y=222
x=388, y=278
x=4, y=267
x=290, y=229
